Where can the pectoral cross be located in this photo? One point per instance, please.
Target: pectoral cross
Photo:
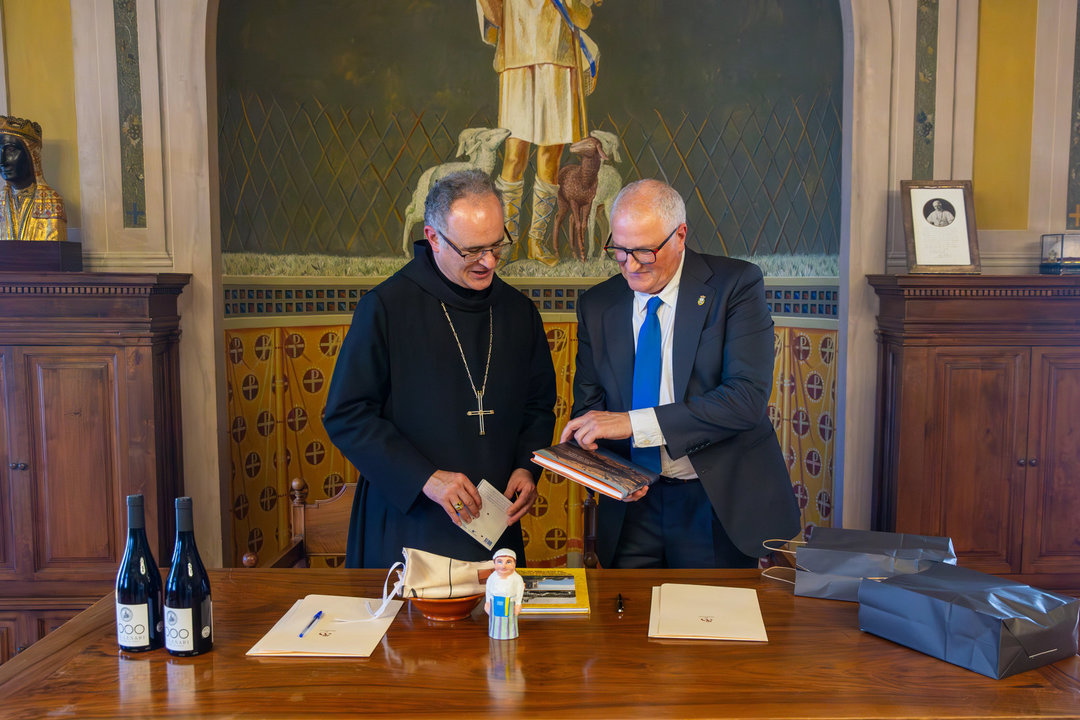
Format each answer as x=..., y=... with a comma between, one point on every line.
x=480, y=412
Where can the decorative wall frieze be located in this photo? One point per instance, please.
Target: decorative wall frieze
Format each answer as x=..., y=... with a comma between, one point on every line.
x=319, y=300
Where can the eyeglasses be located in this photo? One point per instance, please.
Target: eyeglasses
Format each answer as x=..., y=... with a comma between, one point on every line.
x=475, y=255
x=644, y=256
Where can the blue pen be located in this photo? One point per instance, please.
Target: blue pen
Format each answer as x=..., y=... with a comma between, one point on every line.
x=312, y=623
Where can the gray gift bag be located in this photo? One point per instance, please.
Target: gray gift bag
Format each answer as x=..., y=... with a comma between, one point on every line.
x=833, y=562
x=984, y=623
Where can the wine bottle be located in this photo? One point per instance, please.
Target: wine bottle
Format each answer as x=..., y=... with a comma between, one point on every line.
x=139, y=623
x=189, y=619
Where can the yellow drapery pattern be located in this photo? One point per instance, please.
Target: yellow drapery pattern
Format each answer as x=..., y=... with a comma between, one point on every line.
x=277, y=382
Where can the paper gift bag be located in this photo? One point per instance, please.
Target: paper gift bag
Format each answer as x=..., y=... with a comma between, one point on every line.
x=427, y=575
x=833, y=562
x=993, y=626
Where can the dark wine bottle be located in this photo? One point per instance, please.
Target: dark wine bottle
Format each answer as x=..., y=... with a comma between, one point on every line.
x=189, y=618
x=139, y=623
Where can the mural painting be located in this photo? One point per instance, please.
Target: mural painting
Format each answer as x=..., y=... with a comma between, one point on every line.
x=335, y=117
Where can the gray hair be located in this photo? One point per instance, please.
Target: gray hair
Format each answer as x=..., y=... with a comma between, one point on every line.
x=662, y=199
x=451, y=188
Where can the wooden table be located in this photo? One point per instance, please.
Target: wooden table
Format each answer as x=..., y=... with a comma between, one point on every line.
x=817, y=664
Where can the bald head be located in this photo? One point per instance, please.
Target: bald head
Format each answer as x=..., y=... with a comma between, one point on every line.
x=654, y=197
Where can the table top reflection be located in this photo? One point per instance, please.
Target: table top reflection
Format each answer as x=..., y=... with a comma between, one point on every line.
x=817, y=664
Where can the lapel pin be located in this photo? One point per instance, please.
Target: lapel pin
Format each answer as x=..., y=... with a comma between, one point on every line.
x=701, y=300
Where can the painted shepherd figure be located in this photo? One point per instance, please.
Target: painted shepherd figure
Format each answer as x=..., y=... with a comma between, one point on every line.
x=546, y=66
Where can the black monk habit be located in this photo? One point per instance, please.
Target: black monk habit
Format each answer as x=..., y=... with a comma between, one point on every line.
x=397, y=405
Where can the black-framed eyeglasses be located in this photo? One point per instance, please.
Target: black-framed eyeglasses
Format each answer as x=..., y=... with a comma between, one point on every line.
x=644, y=256
x=496, y=250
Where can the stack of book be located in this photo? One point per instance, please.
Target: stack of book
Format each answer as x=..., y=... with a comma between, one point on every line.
x=554, y=591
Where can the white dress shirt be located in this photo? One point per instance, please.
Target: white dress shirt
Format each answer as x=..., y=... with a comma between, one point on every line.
x=646, y=428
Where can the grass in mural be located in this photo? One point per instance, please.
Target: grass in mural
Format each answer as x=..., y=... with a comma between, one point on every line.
x=330, y=265
x=795, y=266
x=337, y=266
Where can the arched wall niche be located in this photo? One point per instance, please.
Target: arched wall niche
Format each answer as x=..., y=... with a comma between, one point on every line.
x=178, y=82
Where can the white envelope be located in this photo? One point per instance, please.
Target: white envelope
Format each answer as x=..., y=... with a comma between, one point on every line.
x=345, y=629
x=706, y=612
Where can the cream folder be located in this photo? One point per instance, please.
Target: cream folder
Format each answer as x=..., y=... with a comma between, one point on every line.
x=345, y=629
x=706, y=612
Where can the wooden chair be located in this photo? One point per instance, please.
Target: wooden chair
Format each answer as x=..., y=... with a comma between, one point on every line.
x=588, y=529
x=319, y=529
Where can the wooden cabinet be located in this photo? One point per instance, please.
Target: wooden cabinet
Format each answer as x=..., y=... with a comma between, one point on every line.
x=978, y=428
x=89, y=413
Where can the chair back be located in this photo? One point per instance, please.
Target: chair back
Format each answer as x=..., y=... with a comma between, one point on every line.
x=319, y=530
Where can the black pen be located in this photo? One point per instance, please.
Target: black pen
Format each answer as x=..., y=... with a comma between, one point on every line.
x=618, y=604
x=310, y=624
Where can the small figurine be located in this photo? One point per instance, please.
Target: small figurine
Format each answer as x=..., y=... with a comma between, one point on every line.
x=29, y=208
x=505, y=588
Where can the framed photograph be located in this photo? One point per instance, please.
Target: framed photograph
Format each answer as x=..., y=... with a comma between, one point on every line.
x=939, y=226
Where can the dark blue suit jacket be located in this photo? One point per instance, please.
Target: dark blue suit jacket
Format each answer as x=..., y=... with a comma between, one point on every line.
x=722, y=364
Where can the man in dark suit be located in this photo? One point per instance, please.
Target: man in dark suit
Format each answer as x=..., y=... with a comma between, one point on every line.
x=724, y=485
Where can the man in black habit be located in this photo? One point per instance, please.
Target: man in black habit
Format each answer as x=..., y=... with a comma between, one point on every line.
x=444, y=379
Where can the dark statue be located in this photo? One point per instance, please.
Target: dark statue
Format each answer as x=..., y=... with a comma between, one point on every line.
x=29, y=208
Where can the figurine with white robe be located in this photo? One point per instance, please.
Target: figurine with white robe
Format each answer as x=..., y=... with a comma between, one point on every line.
x=505, y=589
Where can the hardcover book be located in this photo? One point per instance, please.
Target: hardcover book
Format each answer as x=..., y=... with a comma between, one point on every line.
x=600, y=469
x=554, y=590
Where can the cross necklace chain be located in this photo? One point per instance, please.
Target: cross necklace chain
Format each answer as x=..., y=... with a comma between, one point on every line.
x=479, y=412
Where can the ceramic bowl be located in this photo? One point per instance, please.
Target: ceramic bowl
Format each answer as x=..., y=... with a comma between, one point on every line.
x=445, y=609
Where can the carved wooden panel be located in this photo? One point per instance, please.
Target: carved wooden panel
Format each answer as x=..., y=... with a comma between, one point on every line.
x=886, y=458
x=9, y=631
x=8, y=468
x=47, y=621
x=909, y=479
x=1052, y=535
x=979, y=399
x=73, y=401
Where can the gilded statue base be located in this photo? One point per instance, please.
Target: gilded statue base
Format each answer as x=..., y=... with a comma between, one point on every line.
x=18, y=256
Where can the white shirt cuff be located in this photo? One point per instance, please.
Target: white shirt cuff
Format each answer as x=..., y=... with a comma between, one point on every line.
x=646, y=428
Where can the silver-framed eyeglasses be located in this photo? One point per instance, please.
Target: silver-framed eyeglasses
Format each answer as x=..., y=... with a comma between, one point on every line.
x=476, y=254
x=644, y=256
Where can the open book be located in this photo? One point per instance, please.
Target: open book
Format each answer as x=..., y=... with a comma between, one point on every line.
x=554, y=591
x=328, y=626
x=600, y=469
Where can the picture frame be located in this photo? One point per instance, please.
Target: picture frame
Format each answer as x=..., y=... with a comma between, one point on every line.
x=939, y=226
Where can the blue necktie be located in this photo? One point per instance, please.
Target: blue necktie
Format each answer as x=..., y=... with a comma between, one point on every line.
x=647, y=378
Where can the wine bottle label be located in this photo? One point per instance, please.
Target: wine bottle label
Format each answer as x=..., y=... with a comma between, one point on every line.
x=132, y=625
x=179, y=635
